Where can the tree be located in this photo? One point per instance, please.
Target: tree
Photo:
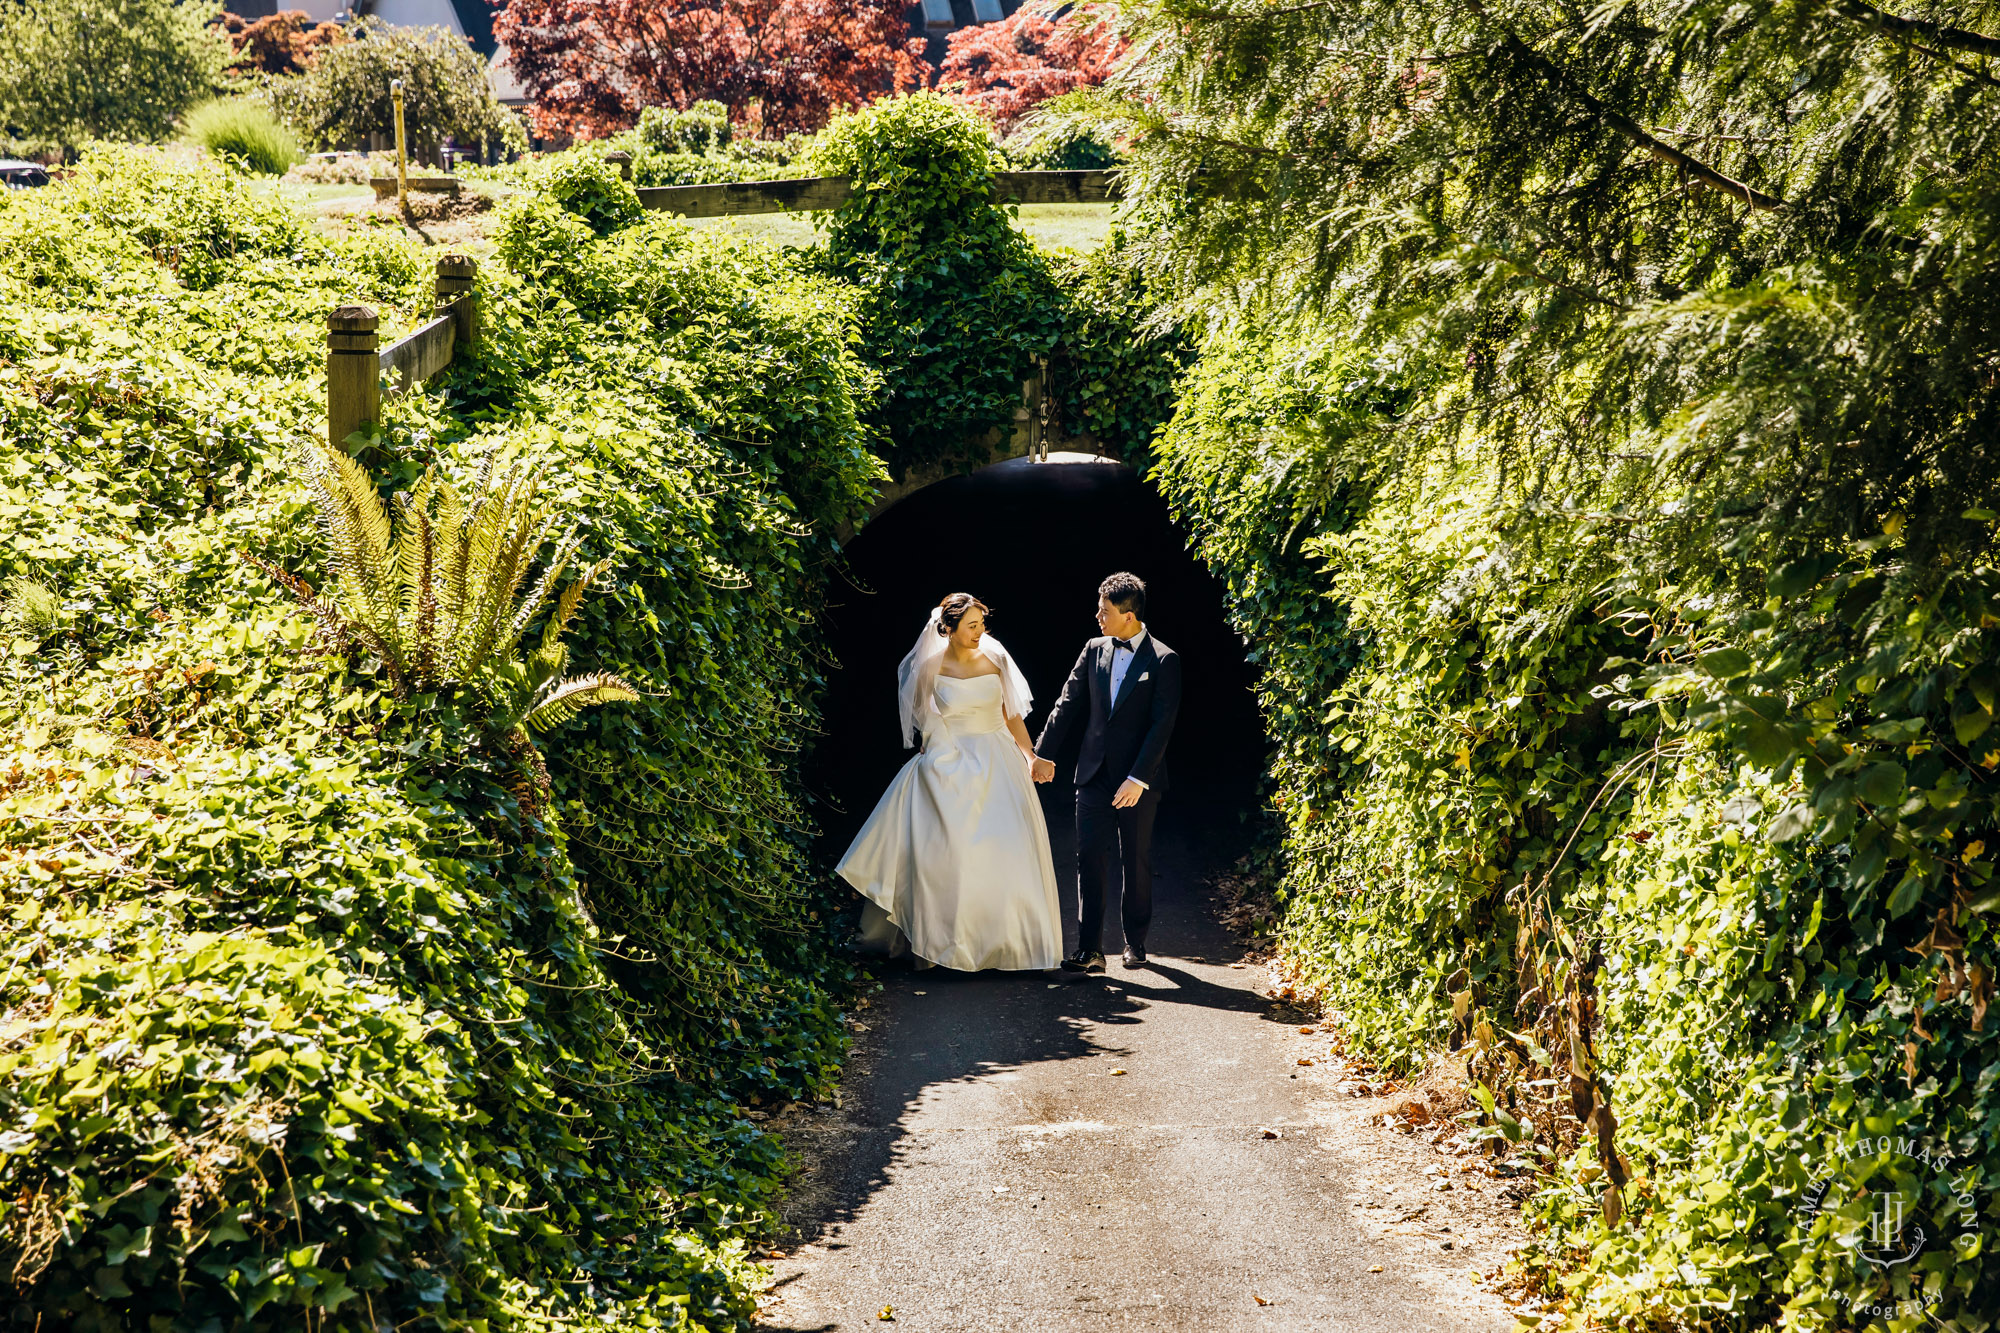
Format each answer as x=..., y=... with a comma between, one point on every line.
x=72, y=70
x=1042, y=50
x=282, y=43
x=1660, y=345
x=345, y=96
x=591, y=66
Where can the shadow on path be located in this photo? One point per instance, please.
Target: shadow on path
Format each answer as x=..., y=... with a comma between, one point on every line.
x=1019, y=1151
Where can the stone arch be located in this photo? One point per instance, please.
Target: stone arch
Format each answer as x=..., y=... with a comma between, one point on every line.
x=1029, y=438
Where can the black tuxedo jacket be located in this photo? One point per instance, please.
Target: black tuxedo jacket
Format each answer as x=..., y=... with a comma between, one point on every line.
x=1126, y=741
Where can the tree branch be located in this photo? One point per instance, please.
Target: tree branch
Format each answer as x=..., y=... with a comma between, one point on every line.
x=1632, y=130
x=1957, y=39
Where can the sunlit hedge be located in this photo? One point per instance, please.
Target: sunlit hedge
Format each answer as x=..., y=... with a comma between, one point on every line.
x=1687, y=866
x=309, y=1002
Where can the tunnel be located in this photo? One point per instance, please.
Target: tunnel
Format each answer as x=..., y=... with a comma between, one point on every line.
x=1033, y=540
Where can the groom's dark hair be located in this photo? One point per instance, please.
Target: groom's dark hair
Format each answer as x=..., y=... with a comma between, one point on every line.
x=1127, y=592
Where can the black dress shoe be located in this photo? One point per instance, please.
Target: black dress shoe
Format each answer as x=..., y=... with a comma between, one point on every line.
x=1084, y=960
x=1134, y=957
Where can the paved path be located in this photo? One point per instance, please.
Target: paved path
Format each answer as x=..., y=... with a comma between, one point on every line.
x=989, y=1170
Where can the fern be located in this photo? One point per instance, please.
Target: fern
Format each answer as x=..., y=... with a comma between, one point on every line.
x=434, y=590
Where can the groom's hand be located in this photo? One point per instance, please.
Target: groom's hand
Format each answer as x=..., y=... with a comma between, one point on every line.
x=1043, y=769
x=1127, y=795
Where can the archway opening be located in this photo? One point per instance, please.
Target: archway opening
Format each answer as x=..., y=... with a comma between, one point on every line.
x=1033, y=540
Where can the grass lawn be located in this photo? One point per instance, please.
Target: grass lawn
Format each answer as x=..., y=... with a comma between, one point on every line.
x=1074, y=226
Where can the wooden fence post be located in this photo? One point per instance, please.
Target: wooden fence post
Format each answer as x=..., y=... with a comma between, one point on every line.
x=455, y=274
x=623, y=161
x=353, y=378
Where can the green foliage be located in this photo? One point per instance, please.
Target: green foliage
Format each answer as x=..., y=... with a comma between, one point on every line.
x=1062, y=146
x=663, y=159
x=441, y=605
x=700, y=130
x=77, y=70
x=591, y=189
x=313, y=1006
x=956, y=304
x=1665, y=779
x=345, y=96
x=244, y=132
x=1113, y=374
x=1545, y=820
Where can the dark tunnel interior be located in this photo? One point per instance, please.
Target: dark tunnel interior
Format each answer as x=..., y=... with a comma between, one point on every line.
x=1033, y=541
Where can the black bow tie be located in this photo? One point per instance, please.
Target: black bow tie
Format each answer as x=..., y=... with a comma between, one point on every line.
x=1126, y=644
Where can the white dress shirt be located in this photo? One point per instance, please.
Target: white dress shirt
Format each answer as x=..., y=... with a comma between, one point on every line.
x=1121, y=662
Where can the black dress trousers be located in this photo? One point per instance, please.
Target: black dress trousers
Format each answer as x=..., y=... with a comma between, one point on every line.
x=1106, y=835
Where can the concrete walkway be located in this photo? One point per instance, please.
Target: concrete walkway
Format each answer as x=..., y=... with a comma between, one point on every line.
x=991, y=1168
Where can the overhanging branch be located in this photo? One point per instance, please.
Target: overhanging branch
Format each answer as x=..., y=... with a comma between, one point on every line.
x=1940, y=34
x=1632, y=130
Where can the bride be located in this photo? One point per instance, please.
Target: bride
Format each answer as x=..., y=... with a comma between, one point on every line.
x=956, y=854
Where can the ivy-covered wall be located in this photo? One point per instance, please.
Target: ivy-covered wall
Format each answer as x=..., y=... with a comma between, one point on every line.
x=1685, y=868
x=315, y=1011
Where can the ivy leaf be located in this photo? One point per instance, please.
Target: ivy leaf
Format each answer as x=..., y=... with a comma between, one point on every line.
x=1767, y=746
x=1725, y=663
x=1881, y=783
x=1969, y=718
x=1790, y=824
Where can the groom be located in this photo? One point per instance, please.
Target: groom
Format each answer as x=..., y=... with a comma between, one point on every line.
x=1125, y=691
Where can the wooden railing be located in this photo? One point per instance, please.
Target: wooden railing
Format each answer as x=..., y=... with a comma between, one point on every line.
x=356, y=366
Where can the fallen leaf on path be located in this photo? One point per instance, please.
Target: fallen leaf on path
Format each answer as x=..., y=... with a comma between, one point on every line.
x=888, y=1314
x=1305, y=1032
x=1305, y=1060
x=1270, y=1133
x=1116, y=1072
x=1374, y=1268
x=1259, y=1299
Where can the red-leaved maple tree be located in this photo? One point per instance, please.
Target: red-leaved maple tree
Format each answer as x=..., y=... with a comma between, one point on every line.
x=282, y=43
x=590, y=66
x=1042, y=50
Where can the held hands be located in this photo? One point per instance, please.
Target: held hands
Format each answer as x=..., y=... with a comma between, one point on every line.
x=1044, y=770
x=1127, y=795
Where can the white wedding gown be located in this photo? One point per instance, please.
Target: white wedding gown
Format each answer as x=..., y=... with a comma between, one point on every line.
x=957, y=852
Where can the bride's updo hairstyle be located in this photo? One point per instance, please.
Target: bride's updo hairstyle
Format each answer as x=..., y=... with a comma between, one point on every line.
x=952, y=610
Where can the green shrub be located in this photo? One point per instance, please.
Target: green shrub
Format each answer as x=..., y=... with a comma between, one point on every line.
x=1062, y=146
x=373, y=1023
x=1516, y=825
x=956, y=304
x=701, y=129
x=1113, y=376
x=345, y=96
x=73, y=71
x=590, y=188
x=242, y=131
